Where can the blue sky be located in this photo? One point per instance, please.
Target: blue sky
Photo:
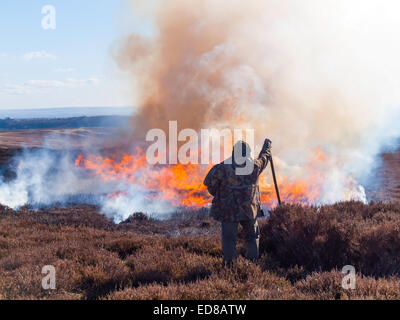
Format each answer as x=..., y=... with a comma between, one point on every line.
x=68, y=66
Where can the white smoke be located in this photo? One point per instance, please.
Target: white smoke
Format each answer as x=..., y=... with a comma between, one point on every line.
x=46, y=177
x=135, y=200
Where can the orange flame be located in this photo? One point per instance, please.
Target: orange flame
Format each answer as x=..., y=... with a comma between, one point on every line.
x=182, y=185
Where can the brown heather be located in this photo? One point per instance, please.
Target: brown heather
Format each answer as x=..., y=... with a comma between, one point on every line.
x=303, y=250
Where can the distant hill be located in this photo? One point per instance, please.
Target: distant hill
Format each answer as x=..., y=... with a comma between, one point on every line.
x=63, y=123
x=70, y=112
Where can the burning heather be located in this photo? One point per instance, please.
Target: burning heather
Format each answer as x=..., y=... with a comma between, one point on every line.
x=323, y=87
x=181, y=185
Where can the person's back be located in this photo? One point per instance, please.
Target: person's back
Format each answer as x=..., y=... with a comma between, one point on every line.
x=234, y=186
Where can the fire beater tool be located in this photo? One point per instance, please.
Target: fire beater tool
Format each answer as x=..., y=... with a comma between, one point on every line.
x=275, y=183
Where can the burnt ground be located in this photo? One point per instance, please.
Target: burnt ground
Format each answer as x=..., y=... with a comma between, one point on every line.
x=54, y=138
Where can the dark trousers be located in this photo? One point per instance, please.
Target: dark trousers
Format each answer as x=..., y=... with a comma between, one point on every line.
x=229, y=238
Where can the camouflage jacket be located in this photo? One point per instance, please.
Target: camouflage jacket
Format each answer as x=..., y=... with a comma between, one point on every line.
x=236, y=197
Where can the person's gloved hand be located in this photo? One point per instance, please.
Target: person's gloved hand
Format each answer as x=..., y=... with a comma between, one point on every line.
x=267, y=147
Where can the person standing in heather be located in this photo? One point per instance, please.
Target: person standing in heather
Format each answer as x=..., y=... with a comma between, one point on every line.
x=233, y=184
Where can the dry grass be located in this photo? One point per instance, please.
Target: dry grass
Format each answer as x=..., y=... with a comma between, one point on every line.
x=351, y=233
x=303, y=251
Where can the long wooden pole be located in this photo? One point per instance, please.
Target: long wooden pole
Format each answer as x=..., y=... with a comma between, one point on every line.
x=275, y=183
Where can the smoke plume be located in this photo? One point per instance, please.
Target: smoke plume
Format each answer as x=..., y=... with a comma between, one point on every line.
x=315, y=77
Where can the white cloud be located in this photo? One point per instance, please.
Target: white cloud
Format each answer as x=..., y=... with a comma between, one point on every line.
x=3, y=54
x=64, y=70
x=38, y=86
x=14, y=89
x=38, y=55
